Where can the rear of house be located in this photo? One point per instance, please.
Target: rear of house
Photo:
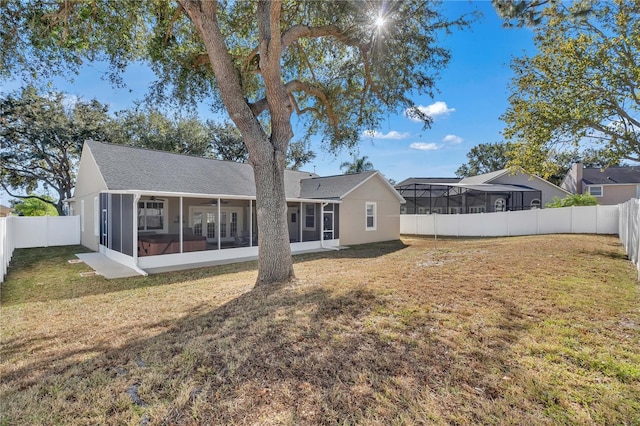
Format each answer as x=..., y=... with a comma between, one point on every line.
x=610, y=185
x=151, y=209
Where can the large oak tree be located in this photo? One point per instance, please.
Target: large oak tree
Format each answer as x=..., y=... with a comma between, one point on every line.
x=582, y=88
x=337, y=64
x=41, y=136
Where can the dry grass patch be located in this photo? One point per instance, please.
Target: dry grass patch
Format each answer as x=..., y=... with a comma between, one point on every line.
x=528, y=330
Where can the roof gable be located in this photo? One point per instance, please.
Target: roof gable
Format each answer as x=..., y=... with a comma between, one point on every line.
x=340, y=186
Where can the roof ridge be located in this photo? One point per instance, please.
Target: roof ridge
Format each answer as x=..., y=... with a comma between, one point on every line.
x=181, y=154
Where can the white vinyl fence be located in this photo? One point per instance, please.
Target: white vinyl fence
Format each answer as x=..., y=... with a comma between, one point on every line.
x=42, y=231
x=567, y=220
x=629, y=230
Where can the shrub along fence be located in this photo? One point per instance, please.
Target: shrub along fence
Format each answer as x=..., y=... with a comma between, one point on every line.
x=40, y=231
x=629, y=230
x=566, y=220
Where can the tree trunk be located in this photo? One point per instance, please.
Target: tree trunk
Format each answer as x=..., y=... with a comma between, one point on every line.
x=274, y=251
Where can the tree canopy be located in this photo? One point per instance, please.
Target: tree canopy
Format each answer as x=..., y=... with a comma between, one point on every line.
x=485, y=158
x=227, y=144
x=582, y=88
x=519, y=13
x=153, y=129
x=340, y=65
x=41, y=139
x=35, y=206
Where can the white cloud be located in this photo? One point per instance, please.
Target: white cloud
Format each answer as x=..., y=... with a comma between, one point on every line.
x=391, y=135
x=452, y=139
x=436, y=109
x=423, y=146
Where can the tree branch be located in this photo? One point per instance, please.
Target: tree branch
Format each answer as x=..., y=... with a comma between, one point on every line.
x=24, y=197
x=303, y=31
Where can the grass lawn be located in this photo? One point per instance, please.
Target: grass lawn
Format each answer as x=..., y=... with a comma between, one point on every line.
x=522, y=330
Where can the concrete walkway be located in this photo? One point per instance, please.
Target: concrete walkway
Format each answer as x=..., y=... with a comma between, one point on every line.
x=106, y=267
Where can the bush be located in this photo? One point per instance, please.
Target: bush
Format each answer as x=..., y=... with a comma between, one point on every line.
x=573, y=200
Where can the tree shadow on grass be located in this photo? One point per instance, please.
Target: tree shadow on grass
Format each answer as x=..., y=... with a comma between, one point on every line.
x=289, y=354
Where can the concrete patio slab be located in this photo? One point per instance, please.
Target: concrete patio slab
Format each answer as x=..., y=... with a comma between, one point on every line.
x=110, y=269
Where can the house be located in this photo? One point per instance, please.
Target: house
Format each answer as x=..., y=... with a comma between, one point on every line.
x=149, y=209
x=501, y=190
x=5, y=211
x=611, y=185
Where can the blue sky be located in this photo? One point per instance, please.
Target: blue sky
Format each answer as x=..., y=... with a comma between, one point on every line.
x=472, y=94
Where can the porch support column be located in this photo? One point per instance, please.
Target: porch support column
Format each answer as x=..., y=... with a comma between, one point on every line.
x=181, y=227
x=333, y=221
x=250, y=223
x=322, y=225
x=218, y=225
x=300, y=218
x=136, y=199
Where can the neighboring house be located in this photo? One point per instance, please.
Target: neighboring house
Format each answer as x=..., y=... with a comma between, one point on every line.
x=5, y=211
x=612, y=185
x=501, y=190
x=149, y=209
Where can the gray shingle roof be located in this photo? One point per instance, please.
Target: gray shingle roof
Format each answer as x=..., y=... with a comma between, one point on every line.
x=427, y=181
x=127, y=168
x=611, y=175
x=332, y=186
x=484, y=178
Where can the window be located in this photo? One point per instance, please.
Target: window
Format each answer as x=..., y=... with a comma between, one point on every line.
x=596, y=190
x=535, y=204
x=309, y=216
x=476, y=209
x=500, y=205
x=370, y=216
x=151, y=216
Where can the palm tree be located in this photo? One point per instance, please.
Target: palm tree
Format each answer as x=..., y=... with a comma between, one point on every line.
x=357, y=165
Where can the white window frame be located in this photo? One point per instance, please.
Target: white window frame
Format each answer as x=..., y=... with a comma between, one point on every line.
x=96, y=216
x=503, y=203
x=591, y=187
x=165, y=214
x=367, y=215
x=82, y=215
x=477, y=209
x=537, y=202
x=306, y=215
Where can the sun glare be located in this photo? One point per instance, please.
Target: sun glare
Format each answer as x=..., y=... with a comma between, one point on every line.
x=379, y=21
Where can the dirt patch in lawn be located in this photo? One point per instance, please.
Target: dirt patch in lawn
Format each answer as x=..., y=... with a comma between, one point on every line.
x=526, y=330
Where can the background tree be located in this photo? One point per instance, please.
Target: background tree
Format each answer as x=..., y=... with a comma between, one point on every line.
x=35, y=206
x=229, y=145
x=580, y=89
x=485, y=158
x=340, y=65
x=357, y=165
x=153, y=129
x=41, y=138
